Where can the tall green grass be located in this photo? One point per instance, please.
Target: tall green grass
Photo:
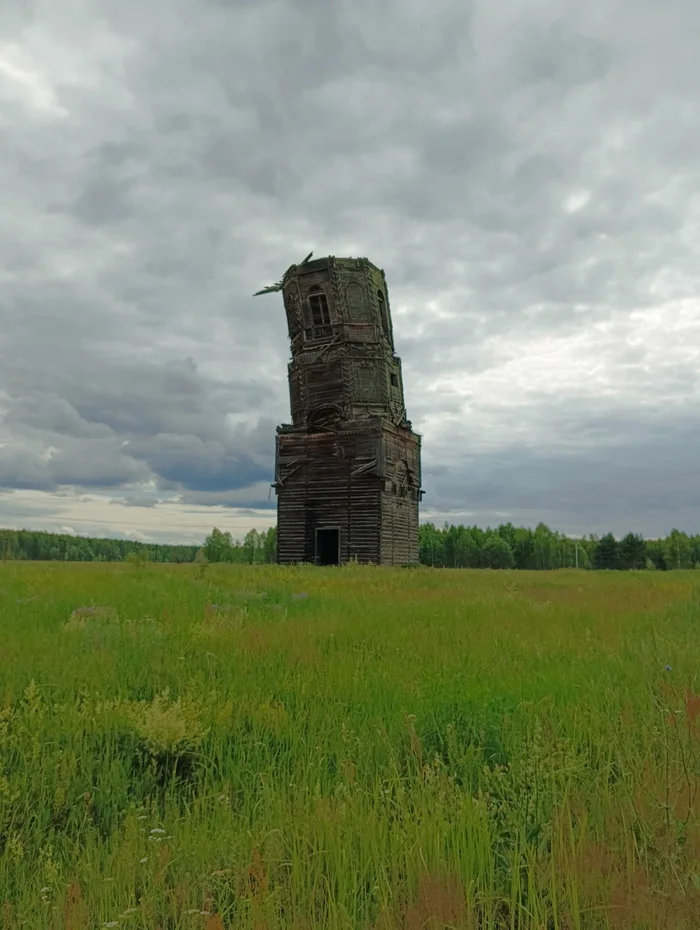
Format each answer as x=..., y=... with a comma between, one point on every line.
x=264, y=747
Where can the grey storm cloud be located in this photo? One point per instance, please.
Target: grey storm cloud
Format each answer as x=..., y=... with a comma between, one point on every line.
x=524, y=174
x=118, y=425
x=630, y=471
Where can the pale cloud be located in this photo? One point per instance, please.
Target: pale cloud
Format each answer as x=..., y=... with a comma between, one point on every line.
x=577, y=201
x=101, y=515
x=524, y=175
x=19, y=71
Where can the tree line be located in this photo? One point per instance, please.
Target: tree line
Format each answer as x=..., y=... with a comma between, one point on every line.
x=544, y=549
x=34, y=545
x=449, y=546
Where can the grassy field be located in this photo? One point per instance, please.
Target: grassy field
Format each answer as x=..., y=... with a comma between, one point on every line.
x=258, y=747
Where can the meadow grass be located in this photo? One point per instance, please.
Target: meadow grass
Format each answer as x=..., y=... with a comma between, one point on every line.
x=266, y=747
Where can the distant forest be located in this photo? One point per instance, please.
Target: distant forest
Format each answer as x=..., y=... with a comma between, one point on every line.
x=449, y=546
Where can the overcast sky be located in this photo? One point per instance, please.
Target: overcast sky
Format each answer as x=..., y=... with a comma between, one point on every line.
x=527, y=175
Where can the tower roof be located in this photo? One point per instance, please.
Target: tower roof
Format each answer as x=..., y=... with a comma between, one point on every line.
x=309, y=266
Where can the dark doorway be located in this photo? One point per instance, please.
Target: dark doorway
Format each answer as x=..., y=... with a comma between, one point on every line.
x=328, y=547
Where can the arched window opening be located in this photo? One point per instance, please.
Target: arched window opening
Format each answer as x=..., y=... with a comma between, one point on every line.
x=324, y=416
x=318, y=321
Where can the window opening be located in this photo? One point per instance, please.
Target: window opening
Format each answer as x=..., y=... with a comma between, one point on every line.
x=320, y=317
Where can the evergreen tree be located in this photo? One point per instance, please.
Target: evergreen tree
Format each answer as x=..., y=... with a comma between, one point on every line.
x=632, y=552
x=607, y=555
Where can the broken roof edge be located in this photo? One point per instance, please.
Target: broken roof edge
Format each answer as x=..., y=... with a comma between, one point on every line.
x=323, y=262
x=308, y=266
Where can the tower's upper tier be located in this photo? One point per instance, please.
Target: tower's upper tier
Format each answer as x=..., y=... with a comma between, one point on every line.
x=343, y=363
x=336, y=300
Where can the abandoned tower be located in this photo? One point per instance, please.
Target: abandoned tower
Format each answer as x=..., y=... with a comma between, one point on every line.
x=347, y=473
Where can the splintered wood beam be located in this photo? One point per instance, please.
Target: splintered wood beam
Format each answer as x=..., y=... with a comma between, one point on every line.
x=282, y=481
x=326, y=348
x=361, y=469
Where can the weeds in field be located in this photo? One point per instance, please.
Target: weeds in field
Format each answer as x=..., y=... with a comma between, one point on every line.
x=267, y=748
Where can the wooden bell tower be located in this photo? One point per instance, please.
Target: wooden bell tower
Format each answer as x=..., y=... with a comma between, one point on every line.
x=348, y=472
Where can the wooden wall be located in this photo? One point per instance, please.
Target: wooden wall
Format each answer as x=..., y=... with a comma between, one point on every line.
x=363, y=479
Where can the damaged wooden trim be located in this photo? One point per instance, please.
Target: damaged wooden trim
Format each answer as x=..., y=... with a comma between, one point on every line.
x=361, y=469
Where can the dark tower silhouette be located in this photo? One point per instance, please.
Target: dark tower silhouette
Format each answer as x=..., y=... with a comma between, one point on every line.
x=348, y=471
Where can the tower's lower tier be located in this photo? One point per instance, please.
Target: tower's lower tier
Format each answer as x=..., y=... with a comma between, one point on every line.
x=348, y=494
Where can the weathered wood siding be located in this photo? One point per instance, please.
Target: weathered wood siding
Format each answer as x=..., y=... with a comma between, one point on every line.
x=363, y=479
x=349, y=459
